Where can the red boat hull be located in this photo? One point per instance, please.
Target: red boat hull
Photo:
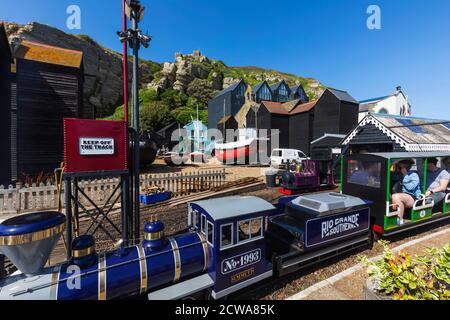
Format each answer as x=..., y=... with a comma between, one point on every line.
x=239, y=155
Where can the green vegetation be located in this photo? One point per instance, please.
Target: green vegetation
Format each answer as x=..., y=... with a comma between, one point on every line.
x=404, y=277
x=158, y=110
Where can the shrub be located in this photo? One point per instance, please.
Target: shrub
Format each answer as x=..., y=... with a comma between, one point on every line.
x=173, y=99
x=186, y=114
x=201, y=90
x=147, y=95
x=154, y=116
x=406, y=277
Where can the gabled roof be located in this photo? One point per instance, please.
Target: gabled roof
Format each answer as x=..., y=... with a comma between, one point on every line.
x=290, y=105
x=296, y=87
x=336, y=137
x=289, y=108
x=275, y=86
x=48, y=54
x=224, y=119
x=343, y=95
x=275, y=107
x=375, y=100
x=304, y=107
x=259, y=85
x=300, y=90
x=413, y=134
x=4, y=43
x=230, y=88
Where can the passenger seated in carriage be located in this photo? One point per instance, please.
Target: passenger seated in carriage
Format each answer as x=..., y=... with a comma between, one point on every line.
x=437, y=180
x=409, y=181
x=367, y=175
x=446, y=164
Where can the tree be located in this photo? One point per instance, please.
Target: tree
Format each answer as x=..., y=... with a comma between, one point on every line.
x=173, y=98
x=201, y=90
x=185, y=115
x=154, y=116
x=147, y=95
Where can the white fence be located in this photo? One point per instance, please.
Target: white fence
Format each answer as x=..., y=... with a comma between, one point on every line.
x=17, y=199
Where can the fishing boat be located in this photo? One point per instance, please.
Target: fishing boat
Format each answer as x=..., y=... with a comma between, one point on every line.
x=174, y=158
x=242, y=151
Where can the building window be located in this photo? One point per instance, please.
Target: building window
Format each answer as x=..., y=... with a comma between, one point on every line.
x=240, y=91
x=303, y=94
x=210, y=233
x=250, y=229
x=226, y=236
x=283, y=93
x=265, y=94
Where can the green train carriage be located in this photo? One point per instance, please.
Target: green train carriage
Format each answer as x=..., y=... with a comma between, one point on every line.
x=378, y=168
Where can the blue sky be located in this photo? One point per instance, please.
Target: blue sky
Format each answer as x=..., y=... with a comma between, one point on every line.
x=324, y=39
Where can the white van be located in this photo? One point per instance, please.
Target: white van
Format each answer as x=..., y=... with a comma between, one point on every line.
x=282, y=156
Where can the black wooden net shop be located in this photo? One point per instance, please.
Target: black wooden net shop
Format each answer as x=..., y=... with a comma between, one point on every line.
x=49, y=87
x=5, y=99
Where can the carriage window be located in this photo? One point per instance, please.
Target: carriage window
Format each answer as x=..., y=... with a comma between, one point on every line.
x=365, y=173
x=197, y=218
x=250, y=229
x=226, y=234
x=203, y=224
x=210, y=233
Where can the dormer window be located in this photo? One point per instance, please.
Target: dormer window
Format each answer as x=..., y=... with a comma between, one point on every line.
x=240, y=91
x=265, y=94
x=283, y=92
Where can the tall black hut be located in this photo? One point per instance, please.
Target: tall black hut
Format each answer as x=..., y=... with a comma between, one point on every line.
x=336, y=112
x=49, y=87
x=5, y=100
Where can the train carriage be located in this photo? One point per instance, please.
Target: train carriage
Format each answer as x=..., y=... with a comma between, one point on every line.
x=235, y=231
x=372, y=176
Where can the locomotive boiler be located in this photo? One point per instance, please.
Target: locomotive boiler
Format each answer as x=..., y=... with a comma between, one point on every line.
x=158, y=261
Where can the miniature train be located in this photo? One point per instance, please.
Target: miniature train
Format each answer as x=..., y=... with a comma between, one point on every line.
x=231, y=243
x=227, y=248
x=307, y=175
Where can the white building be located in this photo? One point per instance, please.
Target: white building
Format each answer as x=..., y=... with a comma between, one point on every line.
x=394, y=104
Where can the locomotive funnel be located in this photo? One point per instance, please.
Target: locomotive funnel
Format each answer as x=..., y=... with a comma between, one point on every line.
x=28, y=240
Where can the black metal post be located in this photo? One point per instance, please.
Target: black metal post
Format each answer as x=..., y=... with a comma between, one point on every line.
x=68, y=197
x=75, y=206
x=2, y=266
x=136, y=45
x=130, y=195
x=125, y=206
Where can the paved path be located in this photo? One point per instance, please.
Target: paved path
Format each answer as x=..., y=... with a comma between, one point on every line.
x=348, y=285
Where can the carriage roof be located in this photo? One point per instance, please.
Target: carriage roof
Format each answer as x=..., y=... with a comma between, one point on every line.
x=409, y=155
x=230, y=207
